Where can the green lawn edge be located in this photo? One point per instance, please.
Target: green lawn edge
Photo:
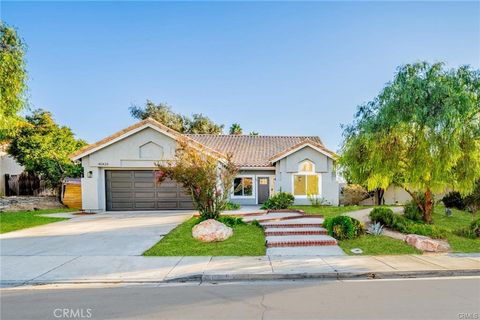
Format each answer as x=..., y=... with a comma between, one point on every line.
x=247, y=240
x=18, y=220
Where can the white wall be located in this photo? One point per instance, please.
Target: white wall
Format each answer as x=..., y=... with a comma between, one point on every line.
x=8, y=165
x=324, y=166
x=138, y=151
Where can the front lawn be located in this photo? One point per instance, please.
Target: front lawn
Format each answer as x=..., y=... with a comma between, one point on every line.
x=329, y=211
x=459, y=219
x=377, y=245
x=11, y=221
x=247, y=240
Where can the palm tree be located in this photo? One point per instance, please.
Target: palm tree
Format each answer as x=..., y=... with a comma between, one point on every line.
x=253, y=133
x=236, y=129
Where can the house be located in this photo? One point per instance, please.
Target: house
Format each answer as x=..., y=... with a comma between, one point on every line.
x=8, y=166
x=119, y=170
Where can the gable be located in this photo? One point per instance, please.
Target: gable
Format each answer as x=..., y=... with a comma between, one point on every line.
x=291, y=163
x=146, y=145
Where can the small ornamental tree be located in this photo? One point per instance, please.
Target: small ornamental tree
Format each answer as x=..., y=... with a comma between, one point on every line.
x=422, y=133
x=207, y=178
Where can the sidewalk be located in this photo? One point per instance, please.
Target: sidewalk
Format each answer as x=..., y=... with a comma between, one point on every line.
x=28, y=270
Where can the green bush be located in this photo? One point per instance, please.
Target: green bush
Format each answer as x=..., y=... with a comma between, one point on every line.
x=231, y=221
x=343, y=227
x=472, y=231
x=383, y=215
x=281, y=200
x=412, y=211
x=399, y=223
x=454, y=200
x=232, y=206
x=226, y=220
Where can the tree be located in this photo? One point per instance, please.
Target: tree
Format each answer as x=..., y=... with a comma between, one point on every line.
x=43, y=147
x=208, y=178
x=197, y=124
x=422, y=133
x=235, y=129
x=253, y=133
x=13, y=77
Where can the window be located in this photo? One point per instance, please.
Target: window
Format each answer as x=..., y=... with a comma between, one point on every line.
x=243, y=187
x=305, y=184
x=306, y=166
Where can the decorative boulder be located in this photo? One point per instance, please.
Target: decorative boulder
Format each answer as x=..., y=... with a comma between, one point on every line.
x=211, y=230
x=427, y=244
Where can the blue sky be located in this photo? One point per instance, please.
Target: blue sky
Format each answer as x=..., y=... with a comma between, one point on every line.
x=274, y=67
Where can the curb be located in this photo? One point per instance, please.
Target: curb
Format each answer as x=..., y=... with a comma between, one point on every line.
x=327, y=275
x=267, y=277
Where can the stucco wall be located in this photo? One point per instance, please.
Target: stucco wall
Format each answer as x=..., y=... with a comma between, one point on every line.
x=8, y=165
x=288, y=166
x=138, y=151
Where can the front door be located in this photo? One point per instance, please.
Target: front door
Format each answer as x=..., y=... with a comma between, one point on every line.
x=263, y=189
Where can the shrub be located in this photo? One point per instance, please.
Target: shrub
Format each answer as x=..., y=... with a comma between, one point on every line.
x=412, y=211
x=226, y=220
x=256, y=224
x=472, y=231
x=399, y=223
x=343, y=227
x=383, y=215
x=281, y=200
x=453, y=200
x=472, y=201
x=232, y=206
x=231, y=221
x=317, y=201
x=352, y=194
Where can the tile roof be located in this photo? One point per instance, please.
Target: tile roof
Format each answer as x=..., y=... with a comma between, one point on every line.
x=252, y=151
x=149, y=121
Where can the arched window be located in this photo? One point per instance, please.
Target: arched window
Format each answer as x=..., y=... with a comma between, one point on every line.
x=306, y=166
x=306, y=181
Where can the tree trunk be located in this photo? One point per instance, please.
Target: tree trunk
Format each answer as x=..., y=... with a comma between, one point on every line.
x=427, y=213
x=379, y=192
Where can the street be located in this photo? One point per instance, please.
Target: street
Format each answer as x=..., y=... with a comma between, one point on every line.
x=435, y=298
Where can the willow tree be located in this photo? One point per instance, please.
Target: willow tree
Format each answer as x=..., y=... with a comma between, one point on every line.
x=13, y=77
x=422, y=132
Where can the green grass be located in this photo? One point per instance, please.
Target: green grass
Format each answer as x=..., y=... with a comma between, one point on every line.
x=11, y=221
x=459, y=219
x=329, y=211
x=377, y=245
x=247, y=240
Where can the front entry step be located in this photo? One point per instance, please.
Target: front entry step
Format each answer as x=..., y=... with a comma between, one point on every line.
x=295, y=231
x=300, y=241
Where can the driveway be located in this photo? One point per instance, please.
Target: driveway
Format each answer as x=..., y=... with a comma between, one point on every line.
x=104, y=234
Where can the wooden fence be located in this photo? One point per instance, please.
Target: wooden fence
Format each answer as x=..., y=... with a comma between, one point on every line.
x=26, y=184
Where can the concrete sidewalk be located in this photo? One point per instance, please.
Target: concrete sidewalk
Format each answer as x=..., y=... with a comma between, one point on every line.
x=28, y=270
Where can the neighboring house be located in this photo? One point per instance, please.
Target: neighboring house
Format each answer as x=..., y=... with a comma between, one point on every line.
x=9, y=166
x=395, y=195
x=119, y=170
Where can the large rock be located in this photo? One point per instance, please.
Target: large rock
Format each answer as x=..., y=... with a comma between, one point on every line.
x=427, y=244
x=211, y=230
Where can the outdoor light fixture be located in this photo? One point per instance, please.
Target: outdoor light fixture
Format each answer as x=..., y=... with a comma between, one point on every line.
x=89, y=174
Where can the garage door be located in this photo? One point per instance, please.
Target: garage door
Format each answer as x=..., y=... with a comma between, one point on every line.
x=138, y=190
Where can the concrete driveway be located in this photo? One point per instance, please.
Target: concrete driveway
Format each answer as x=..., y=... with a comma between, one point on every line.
x=104, y=234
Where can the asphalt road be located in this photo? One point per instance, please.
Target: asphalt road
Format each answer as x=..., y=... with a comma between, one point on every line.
x=357, y=299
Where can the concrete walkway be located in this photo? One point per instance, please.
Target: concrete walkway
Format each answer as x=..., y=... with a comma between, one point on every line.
x=28, y=270
x=363, y=215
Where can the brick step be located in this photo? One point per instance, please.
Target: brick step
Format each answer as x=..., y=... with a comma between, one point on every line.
x=294, y=231
x=300, y=241
x=292, y=225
